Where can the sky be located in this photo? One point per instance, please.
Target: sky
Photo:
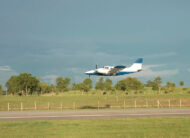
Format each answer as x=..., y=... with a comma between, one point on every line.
x=51, y=38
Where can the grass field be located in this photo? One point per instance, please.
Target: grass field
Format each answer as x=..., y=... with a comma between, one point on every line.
x=94, y=99
x=161, y=127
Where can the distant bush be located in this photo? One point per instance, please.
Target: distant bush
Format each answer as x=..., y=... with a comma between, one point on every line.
x=126, y=93
x=113, y=92
x=184, y=89
x=135, y=92
x=93, y=93
x=188, y=92
x=166, y=92
x=141, y=92
x=104, y=93
x=129, y=84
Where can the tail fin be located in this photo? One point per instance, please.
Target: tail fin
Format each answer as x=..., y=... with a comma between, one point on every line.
x=139, y=60
x=137, y=66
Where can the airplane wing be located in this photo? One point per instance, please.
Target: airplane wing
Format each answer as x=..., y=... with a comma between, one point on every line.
x=116, y=69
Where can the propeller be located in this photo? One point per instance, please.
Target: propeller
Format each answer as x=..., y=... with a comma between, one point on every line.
x=96, y=66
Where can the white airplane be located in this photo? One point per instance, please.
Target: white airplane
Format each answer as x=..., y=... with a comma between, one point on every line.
x=117, y=70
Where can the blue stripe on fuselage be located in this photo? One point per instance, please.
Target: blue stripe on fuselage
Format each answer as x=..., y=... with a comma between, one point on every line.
x=91, y=73
x=118, y=74
x=123, y=73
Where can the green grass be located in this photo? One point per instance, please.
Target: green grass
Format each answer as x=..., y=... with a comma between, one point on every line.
x=90, y=100
x=166, y=127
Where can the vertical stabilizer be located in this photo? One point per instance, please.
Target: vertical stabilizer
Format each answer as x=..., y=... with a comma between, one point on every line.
x=136, y=66
x=139, y=60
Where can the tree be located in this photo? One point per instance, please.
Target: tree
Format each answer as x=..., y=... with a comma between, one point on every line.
x=156, y=85
x=181, y=83
x=76, y=86
x=149, y=83
x=62, y=84
x=158, y=81
x=11, y=85
x=170, y=86
x=44, y=88
x=66, y=83
x=129, y=84
x=27, y=83
x=86, y=85
x=52, y=88
x=108, y=85
x=121, y=85
x=100, y=84
x=22, y=84
x=59, y=84
x=137, y=85
x=1, y=90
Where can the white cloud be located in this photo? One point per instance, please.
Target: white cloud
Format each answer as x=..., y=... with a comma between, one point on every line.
x=150, y=73
x=76, y=70
x=5, y=68
x=78, y=74
x=147, y=72
x=78, y=78
x=49, y=78
x=145, y=67
x=83, y=56
x=161, y=55
x=188, y=70
x=5, y=73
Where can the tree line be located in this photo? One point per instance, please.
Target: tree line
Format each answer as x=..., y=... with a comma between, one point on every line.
x=26, y=84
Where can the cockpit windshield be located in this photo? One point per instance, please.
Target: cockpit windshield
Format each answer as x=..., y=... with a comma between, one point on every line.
x=106, y=67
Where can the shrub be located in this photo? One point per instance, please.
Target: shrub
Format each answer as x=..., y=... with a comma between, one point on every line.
x=166, y=92
x=113, y=92
x=93, y=93
x=135, y=92
x=104, y=93
x=141, y=92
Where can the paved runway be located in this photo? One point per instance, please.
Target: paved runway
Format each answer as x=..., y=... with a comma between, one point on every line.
x=90, y=114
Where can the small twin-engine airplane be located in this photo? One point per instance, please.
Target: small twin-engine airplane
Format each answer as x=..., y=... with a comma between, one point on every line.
x=117, y=70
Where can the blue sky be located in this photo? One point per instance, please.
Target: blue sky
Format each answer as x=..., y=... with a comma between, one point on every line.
x=51, y=38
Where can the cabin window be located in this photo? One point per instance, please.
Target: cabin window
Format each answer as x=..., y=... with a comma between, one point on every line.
x=106, y=67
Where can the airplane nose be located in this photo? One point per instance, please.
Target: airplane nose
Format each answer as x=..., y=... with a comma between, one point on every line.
x=88, y=72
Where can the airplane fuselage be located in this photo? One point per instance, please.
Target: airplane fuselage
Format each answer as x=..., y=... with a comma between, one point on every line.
x=117, y=70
